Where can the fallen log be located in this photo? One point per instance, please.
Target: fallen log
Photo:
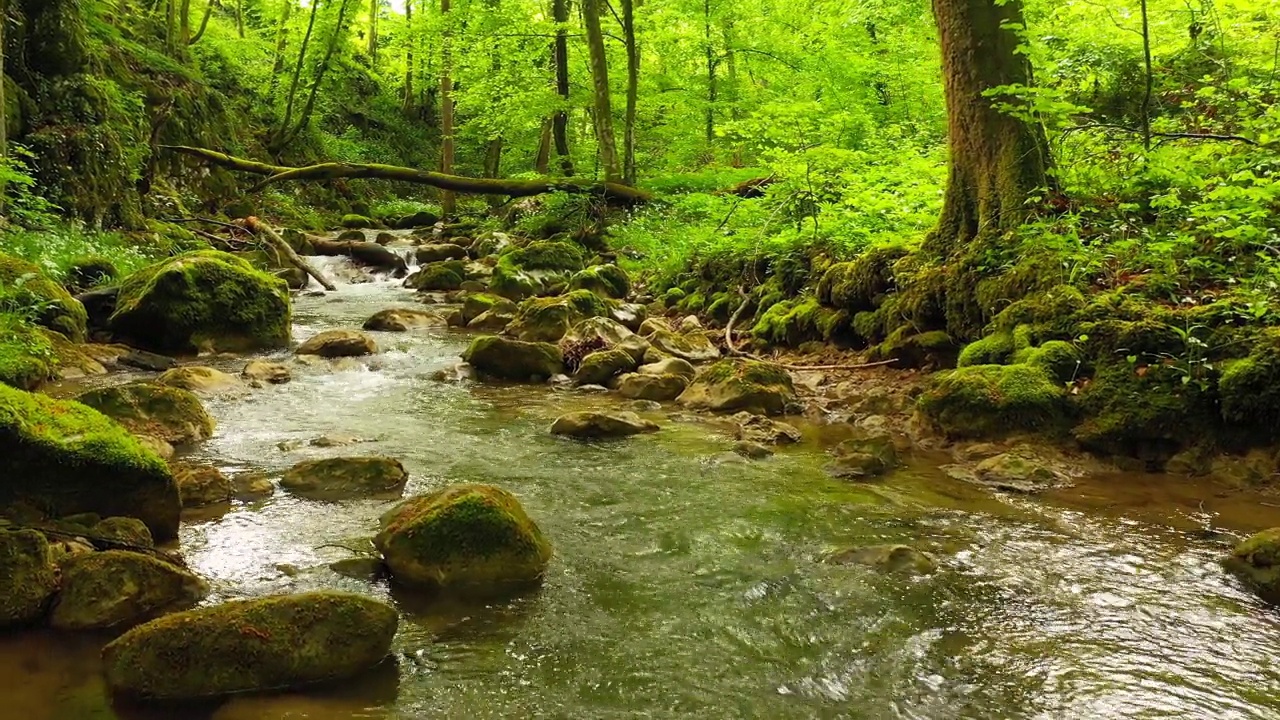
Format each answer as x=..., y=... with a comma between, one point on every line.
x=255, y=225
x=364, y=253
x=615, y=192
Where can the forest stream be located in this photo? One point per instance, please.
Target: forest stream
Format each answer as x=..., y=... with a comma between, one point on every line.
x=688, y=582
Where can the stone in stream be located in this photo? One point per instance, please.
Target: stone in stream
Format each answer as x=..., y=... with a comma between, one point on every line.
x=869, y=456
x=338, y=343
x=403, y=320
x=600, y=366
x=200, y=380
x=117, y=588
x=64, y=458
x=438, y=277
x=492, y=321
x=1256, y=561
x=202, y=301
x=506, y=359
x=251, y=486
x=734, y=385
x=266, y=372
x=130, y=531
x=608, y=281
x=752, y=450
x=598, y=425
x=887, y=558
x=1015, y=472
x=169, y=413
x=437, y=252
x=30, y=577
x=644, y=386
x=264, y=644
x=692, y=346
x=604, y=332
x=334, y=479
x=670, y=366
x=762, y=430
x=550, y=319
x=476, y=537
x=201, y=485
x=476, y=304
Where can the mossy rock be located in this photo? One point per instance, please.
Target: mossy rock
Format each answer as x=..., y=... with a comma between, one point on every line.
x=601, y=366
x=130, y=531
x=931, y=349
x=205, y=300
x=475, y=537
x=30, y=577
x=794, y=322
x=200, y=380
x=515, y=284
x=65, y=458
x=404, y=320
x=692, y=346
x=506, y=359
x=90, y=271
x=549, y=319
x=24, y=286
x=169, y=413
x=27, y=356
x=590, y=425
x=352, y=221
x=607, y=281
x=1250, y=388
x=439, y=252
x=648, y=386
x=438, y=277
x=338, y=344
x=1257, y=562
x=201, y=485
x=672, y=297
x=994, y=349
x=545, y=255
x=994, y=400
x=733, y=385
x=1145, y=412
x=265, y=644
x=1059, y=358
x=334, y=479
x=476, y=304
x=861, y=285
x=117, y=588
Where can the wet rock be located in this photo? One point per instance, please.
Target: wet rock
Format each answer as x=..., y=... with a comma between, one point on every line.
x=752, y=450
x=267, y=372
x=659, y=388
x=492, y=321
x=73, y=459
x=598, y=425
x=201, y=485
x=469, y=536
x=360, y=568
x=636, y=347
x=763, y=431
x=130, y=531
x=30, y=577
x=1256, y=561
x=689, y=324
x=887, y=558
x=326, y=441
x=734, y=385
x=629, y=315
x=506, y=359
x=338, y=343
x=403, y=320
x=202, y=380
x=288, y=445
x=645, y=405
x=550, y=319
x=251, y=486
x=607, y=281
x=438, y=277
x=277, y=642
x=670, y=366
x=116, y=588
x=206, y=300
x=385, y=238
x=354, y=235
x=476, y=304
x=1012, y=472
x=420, y=219
x=173, y=415
x=334, y=479
x=601, y=331
x=694, y=347
x=160, y=447
x=458, y=372
x=437, y=252
x=863, y=458
x=601, y=366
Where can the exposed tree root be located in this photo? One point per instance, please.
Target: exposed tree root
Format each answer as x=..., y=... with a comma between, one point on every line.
x=735, y=352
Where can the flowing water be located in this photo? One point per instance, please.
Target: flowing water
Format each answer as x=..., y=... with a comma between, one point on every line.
x=687, y=583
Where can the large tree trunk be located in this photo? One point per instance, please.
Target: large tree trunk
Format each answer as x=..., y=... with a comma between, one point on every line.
x=603, y=116
x=560, y=57
x=542, y=161
x=184, y=23
x=448, y=202
x=633, y=92
x=997, y=161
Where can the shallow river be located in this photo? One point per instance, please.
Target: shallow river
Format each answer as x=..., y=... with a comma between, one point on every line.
x=689, y=585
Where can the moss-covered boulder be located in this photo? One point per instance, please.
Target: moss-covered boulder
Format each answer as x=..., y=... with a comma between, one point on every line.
x=506, y=359
x=404, y=320
x=932, y=349
x=476, y=304
x=465, y=536
x=353, y=221
x=65, y=458
x=201, y=380
x=338, y=343
x=439, y=252
x=30, y=577
x=601, y=366
x=867, y=456
x=538, y=268
x=590, y=425
x=994, y=400
x=733, y=385
x=127, y=530
x=862, y=284
x=334, y=479
x=1059, y=358
x=116, y=589
x=648, y=386
x=994, y=349
x=692, y=346
x=549, y=319
x=27, y=356
x=670, y=366
x=438, y=277
x=201, y=485
x=1250, y=388
x=23, y=286
x=792, y=322
x=263, y=644
x=205, y=300
x=169, y=413
x=1145, y=412
x=1257, y=562
x=607, y=281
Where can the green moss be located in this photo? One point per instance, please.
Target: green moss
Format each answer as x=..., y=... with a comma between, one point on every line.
x=695, y=302
x=66, y=458
x=548, y=319
x=1257, y=562
x=930, y=349
x=994, y=349
x=263, y=644
x=545, y=255
x=169, y=413
x=438, y=277
x=474, y=536
x=994, y=400
x=24, y=289
x=859, y=285
x=599, y=367
x=476, y=304
x=607, y=281
x=89, y=271
x=1052, y=313
x=798, y=321
x=30, y=578
x=1059, y=358
x=1250, y=388
x=27, y=357
x=513, y=283
x=507, y=359
x=203, y=300
x=733, y=385
x=672, y=297
x=353, y=221
x=922, y=291
x=115, y=589
x=1146, y=412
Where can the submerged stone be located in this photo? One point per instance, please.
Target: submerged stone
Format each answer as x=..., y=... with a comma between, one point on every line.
x=345, y=478
x=888, y=558
x=1257, y=562
x=117, y=588
x=597, y=425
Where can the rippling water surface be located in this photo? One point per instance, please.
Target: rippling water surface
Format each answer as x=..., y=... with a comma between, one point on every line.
x=688, y=583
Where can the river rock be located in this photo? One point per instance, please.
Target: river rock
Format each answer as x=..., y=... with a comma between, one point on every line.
x=66, y=458
x=438, y=277
x=476, y=304
x=599, y=367
x=403, y=320
x=607, y=281
x=495, y=320
x=1256, y=561
x=762, y=430
x=630, y=315
x=130, y=531
x=469, y=536
x=339, y=343
x=550, y=319
x=733, y=385
x=670, y=366
x=251, y=486
x=436, y=252
x=1012, y=472
x=601, y=331
x=267, y=372
x=334, y=479
x=173, y=415
x=596, y=425
x=635, y=346
x=160, y=447
x=887, y=558
x=30, y=577
x=201, y=485
x=862, y=458
x=264, y=644
x=116, y=588
x=694, y=346
x=203, y=380
x=206, y=300
x=507, y=359
x=52, y=305
x=644, y=386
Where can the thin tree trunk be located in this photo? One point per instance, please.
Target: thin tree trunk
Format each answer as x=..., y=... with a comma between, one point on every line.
x=375, y=6
x=338, y=33
x=4, y=114
x=542, y=161
x=448, y=201
x=282, y=44
x=560, y=57
x=204, y=23
x=184, y=23
x=605, y=140
x=712, y=88
x=240, y=17
x=408, y=64
x=297, y=74
x=171, y=26
x=1146, y=96
x=633, y=92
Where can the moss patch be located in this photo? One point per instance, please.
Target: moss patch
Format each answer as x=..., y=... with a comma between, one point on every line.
x=25, y=289
x=607, y=281
x=27, y=357
x=994, y=400
x=169, y=413
x=30, y=578
x=507, y=359
x=733, y=385
x=116, y=588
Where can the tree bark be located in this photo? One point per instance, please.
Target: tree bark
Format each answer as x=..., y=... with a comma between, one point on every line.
x=184, y=24
x=605, y=140
x=375, y=6
x=542, y=161
x=254, y=225
x=448, y=203
x=560, y=57
x=4, y=113
x=240, y=18
x=633, y=92
x=713, y=89
x=408, y=64
x=297, y=74
x=305, y=117
x=170, y=25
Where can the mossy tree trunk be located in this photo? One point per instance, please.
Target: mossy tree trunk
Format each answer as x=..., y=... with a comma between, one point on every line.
x=603, y=116
x=997, y=161
x=375, y=7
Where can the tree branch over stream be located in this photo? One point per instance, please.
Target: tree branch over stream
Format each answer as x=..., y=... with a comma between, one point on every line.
x=616, y=192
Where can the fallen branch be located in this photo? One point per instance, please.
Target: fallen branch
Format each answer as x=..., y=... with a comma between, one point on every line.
x=256, y=226
x=735, y=352
x=442, y=181
x=1171, y=135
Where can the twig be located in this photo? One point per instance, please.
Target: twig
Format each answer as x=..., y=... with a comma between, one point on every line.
x=1173, y=136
